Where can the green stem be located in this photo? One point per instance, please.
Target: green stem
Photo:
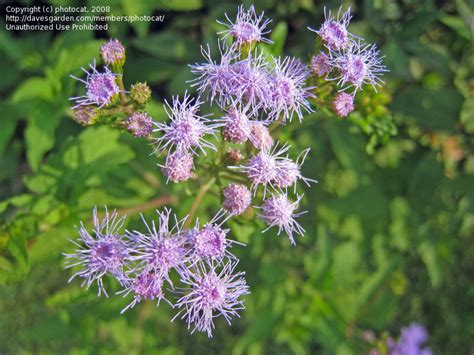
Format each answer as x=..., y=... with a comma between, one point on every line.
x=123, y=97
x=197, y=201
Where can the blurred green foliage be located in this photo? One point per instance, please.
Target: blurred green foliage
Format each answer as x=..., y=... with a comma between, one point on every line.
x=391, y=224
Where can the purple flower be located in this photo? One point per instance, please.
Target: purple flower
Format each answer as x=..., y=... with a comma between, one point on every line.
x=343, y=104
x=103, y=252
x=187, y=129
x=262, y=168
x=237, y=198
x=101, y=88
x=237, y=126
x=289, y=172
x=211, y=293
x=248, y=28
x=178, y=166
x=289, y=95
x=148, y=285
x=321, y=64
x=163, y=247
x=140, y=124
x=260, y=136
x=358, y=65
x=411, y=341
x=278, y=211
x=214, y=78
x=210, y=242
x=250, y=81
x=113, y=52
x=333, y=31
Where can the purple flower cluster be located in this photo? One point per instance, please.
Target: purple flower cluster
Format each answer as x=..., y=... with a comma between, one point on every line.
x=183, y=136
x=253, y=90
x=255, y=93
x=144, y=262
x=104, y=90
x=268, y=87
x=273, y=171
x=411, y=341
x=346, y=59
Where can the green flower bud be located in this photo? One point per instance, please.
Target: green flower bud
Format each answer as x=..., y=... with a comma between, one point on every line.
x=140, y=93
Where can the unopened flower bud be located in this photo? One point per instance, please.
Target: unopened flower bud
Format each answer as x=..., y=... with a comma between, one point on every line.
x=85, y=115
x=141, y=93
x=113, y=53
x=235, y=155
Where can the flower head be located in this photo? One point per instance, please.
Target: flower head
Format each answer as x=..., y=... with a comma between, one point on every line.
x=163, y=247
x=140, y=124
x=237, y=126
x=289, y=172
x=359, y=65
x=104, y=251
x=147, y=285
x=278, y=211
x=178, y=166
x=260, y=136
x=211, y=293
x=210, y=242
x=186, y=129
x=101, y=88
x=289, y=95
x=249, y=83
x=343, y=104
x=248, y=27
x=262, y=168
x=321, y=64
x=214, y=78
x=333, y=31
x=113, y=52
x=237, y=198
x=411, y=341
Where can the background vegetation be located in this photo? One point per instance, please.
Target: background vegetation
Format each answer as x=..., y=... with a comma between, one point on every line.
x=391, y=223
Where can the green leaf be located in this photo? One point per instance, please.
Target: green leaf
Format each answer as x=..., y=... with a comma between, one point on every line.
x=278, y=36
x=457, y=25
x=92, y=147
x=33, y=88
x=16, y=265
x=140, y=8
x=73, y=58
x=39, y=134
x=177, y=47
x=8, y=124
